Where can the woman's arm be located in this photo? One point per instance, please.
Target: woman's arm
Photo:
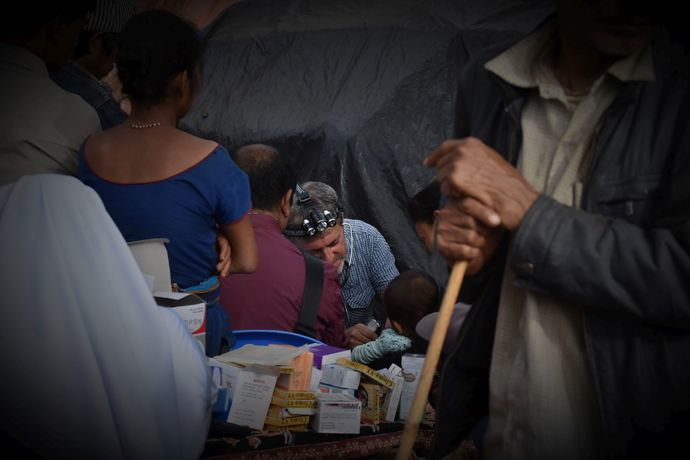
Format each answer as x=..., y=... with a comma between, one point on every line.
x=243, y=253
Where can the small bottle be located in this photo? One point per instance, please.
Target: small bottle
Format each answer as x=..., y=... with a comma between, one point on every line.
x=373, y=324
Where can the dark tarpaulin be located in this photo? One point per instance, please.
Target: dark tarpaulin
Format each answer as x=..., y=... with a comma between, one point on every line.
x=355, y=93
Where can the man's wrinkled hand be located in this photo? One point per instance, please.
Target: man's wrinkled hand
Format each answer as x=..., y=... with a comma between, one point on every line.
x=469, y=168
x=460, y=236
x=359, y=334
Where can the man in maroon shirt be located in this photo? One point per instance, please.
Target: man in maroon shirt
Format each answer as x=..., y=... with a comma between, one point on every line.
x=271, y=297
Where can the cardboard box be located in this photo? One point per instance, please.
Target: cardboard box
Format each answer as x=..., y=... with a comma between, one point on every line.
x=293, y=403
x=315, y=379
x=368, y=371
x=412, y=369
x=190, y=308
x=222, y=405
x=392, y=401
x=299, y=377
x=323, y=388
x=294, y=428
x=224, y=374
x=278, y=411
x=281, y=417
x=285, y=394
x=301, y=410
x=225, y=377
x=327, y=354
x=337, y=413
x=340, y=376
x=287, y=421
x=372, y=396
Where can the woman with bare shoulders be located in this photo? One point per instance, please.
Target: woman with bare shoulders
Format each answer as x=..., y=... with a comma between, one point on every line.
x=157, y=181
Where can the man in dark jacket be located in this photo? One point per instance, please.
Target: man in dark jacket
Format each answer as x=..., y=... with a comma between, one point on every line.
x=569, y=196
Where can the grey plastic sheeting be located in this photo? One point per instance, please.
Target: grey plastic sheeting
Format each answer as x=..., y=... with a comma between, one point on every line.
x=355, y=93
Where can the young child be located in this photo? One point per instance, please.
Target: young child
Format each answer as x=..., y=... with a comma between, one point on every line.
x=408, y=298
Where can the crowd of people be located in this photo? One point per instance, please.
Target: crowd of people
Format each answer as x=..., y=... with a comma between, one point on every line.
x=565, y=188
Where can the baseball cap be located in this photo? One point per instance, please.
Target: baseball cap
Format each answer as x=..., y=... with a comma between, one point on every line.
x=109, y=15
x=425, y=326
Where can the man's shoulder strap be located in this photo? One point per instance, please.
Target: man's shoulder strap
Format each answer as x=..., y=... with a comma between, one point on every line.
x=311, y=298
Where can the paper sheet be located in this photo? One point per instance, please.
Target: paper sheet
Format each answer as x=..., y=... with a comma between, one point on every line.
x=267, y=355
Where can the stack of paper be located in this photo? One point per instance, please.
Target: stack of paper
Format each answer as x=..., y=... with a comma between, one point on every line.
x=266, y=355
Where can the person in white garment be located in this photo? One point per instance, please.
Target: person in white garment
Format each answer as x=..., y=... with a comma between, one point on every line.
x=92, y=368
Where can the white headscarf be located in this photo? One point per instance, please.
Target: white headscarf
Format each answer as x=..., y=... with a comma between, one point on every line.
x=91, y=367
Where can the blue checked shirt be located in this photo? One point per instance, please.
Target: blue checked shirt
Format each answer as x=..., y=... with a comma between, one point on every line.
x=96, y=93
x=369, y=267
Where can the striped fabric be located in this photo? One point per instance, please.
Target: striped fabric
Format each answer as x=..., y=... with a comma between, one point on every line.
x=369, y=267
x=110, y=15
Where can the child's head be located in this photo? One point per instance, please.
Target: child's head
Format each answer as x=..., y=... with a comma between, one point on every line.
x=408, y=298
x=423, y=208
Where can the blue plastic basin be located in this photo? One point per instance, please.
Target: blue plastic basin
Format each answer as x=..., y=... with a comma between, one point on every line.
x=269, y=337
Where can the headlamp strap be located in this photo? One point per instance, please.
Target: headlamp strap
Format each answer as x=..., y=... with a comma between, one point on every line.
x=302, y=196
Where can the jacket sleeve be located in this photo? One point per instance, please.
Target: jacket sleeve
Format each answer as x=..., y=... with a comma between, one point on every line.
x=330, y=319
x=368, y=352
x=389, y=342
x=637, y=265
x=607, y=263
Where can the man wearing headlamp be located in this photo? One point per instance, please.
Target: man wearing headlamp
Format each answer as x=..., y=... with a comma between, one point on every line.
x=358, y=251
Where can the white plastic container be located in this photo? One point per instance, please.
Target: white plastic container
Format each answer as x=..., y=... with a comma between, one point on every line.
x=152, y=258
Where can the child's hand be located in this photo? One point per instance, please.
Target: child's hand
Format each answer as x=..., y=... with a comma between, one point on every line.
x=359, y=334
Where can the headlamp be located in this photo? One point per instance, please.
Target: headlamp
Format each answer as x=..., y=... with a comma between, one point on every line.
x=330, y=218
x=318, y=220
x=308, y=228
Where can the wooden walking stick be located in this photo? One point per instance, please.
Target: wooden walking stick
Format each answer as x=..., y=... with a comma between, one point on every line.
x=432, y=355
